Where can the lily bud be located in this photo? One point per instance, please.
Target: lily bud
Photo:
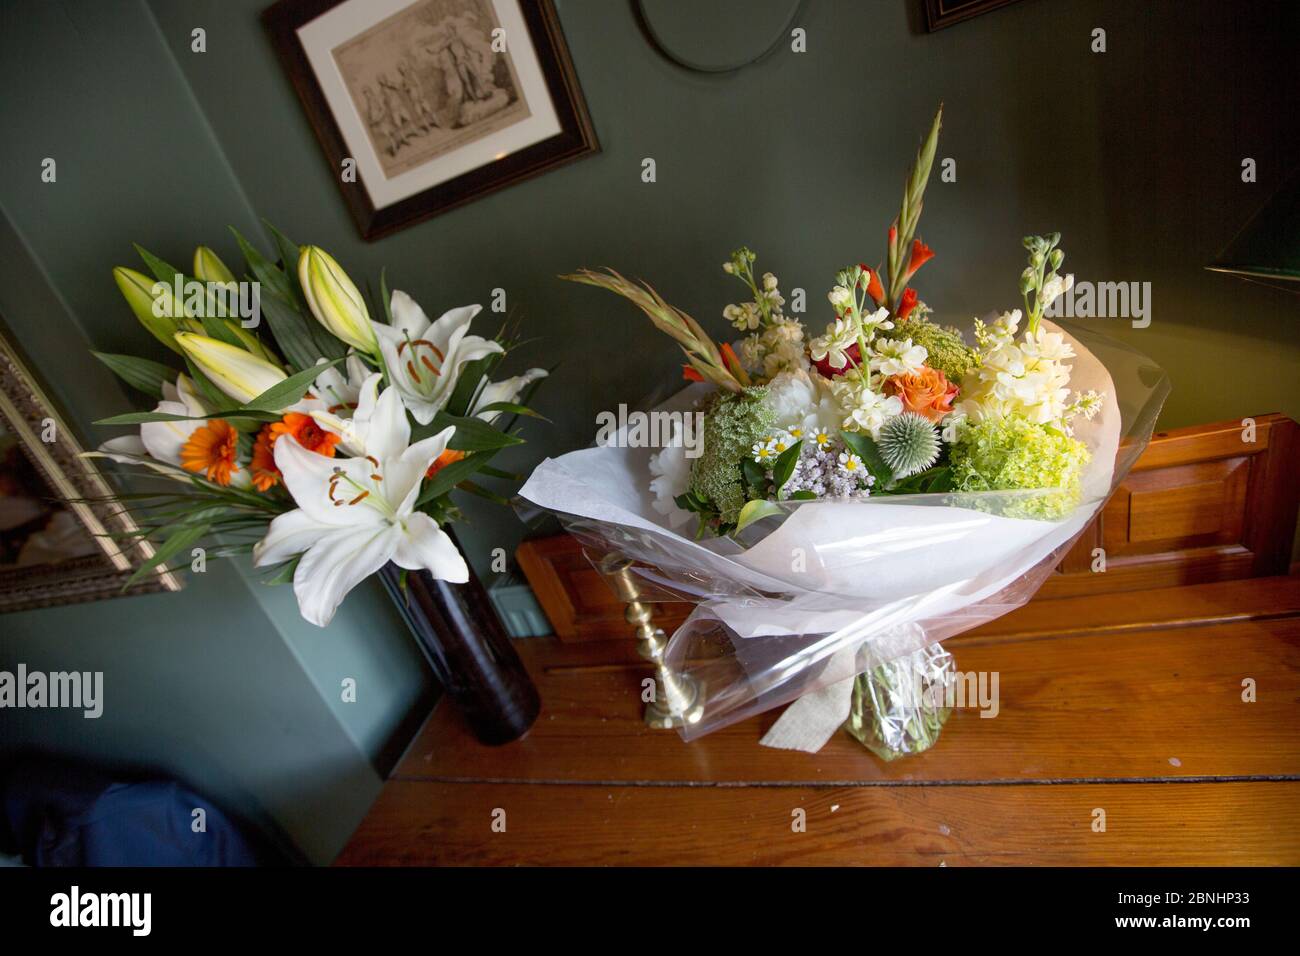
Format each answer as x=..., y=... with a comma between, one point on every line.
x=241, y=375
x=334, y=299
x=208, y=267
x=159, y=313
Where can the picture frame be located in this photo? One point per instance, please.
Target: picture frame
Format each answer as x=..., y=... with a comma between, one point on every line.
x=431, y=104
x=54, y=499
x=945, y=13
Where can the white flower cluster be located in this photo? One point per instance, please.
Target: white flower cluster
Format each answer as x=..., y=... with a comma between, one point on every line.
x=764, y=308
x=1026, y=377
x=776, y=349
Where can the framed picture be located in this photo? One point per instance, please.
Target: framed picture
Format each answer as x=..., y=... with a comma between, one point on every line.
x=424, y=105
x=944, y=13
x=62, y=541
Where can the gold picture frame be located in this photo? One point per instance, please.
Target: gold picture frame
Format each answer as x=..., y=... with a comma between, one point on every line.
x=53, y=451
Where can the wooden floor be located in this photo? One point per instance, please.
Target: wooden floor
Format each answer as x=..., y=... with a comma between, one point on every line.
x=1127, y=707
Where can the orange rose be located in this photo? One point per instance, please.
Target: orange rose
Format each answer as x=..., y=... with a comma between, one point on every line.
x=927, y=392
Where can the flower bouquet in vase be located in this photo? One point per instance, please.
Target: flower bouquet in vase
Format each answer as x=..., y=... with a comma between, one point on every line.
x=293, y=425
x=837, y=498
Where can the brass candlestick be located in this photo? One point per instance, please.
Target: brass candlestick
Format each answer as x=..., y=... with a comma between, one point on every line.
x=677, y=696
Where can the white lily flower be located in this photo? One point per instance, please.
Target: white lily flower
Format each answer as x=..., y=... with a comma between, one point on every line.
x=507, y=390
x=354, y=515
x=337, y=393
x=240, y=374
x=424, y=358
x=160, y=443
x=371, y=428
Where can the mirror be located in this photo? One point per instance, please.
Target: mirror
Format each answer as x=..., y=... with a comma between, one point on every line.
x=61, y=542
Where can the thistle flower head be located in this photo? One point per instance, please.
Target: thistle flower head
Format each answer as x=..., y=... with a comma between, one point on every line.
x=908, y=443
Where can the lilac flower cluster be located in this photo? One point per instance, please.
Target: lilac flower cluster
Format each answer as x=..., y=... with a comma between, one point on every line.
x=819, y=470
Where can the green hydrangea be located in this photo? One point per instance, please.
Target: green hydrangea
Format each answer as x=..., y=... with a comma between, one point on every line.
x=1008, y=454
x=944, y=346
x=733, y=422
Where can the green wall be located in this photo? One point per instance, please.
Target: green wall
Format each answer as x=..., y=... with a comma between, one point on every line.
x=1134, y=155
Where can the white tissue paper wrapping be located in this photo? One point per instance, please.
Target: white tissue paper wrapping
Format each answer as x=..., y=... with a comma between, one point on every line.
x=838, y=586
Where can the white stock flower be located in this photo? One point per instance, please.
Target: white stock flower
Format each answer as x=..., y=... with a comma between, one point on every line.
x=354, y=515
x=834, y=344
x=897, y=357
x=424, y=358
x=869, y=411
x=1053, y=288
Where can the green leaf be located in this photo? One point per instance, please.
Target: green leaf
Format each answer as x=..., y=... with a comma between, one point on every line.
x=283, y=573
x=471, y=434
x=141, y=418
x=182, y=540
x=290, y=330
x=141, y=374
x=162, y=271
x=214, y=396
x=498, y=473
x=386, y=299
x=784, y=466
x=283, y=394
x=757, y=510
x=215, y=328
x=264, y=270
x=451, y=475
x=865, y=448
x=480, y=491
x=804, y=495
x=467, y=385
x=754, y=476
x=511, y=407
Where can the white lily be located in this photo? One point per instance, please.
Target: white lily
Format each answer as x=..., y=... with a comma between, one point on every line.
x=371, y=422
x=337, y=392
x=424, y=358
x=160, y=443
x=240, y=374
x=507, y=390
x=355, y=515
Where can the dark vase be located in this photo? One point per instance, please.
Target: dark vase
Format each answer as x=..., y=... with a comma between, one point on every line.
x=462, y=638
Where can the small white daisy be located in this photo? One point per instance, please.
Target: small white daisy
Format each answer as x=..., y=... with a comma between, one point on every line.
x=822, y=438
x=764, y=451
x=851, y=464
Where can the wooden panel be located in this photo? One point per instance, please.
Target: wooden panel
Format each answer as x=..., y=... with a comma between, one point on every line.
x=1244, y=824
x=1101, y=703
x=1211, y=503
x=576, y=599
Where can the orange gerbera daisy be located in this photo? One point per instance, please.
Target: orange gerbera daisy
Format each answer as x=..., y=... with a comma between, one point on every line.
x=442, y=461
x=265, y=475
x=306, y=432
x=211, y=449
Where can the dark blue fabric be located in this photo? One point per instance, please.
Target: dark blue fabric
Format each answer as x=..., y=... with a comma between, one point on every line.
x=60, y=814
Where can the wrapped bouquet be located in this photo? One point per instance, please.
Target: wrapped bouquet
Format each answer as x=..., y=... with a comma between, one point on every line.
x=837, y=498
x=328, y=447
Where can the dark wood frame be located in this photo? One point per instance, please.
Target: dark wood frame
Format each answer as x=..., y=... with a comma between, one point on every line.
x=576, y=139
x=944, y=13
x=25, y=409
